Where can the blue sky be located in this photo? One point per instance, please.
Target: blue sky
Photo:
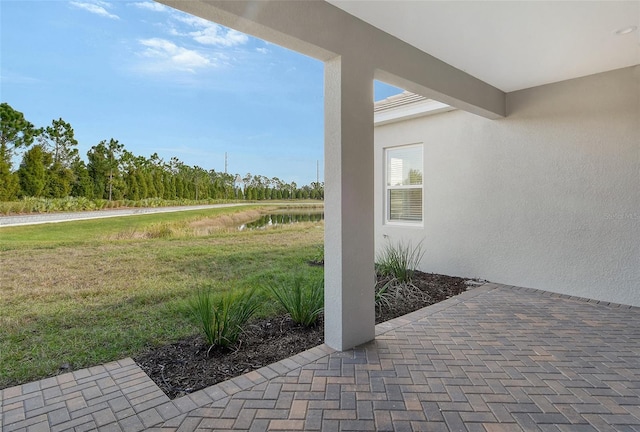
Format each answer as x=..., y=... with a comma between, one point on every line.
x=159, y=80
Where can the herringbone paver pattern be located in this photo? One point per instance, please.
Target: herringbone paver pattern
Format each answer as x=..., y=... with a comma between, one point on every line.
x=493, y=359
x=496, y=358
x=86, y=399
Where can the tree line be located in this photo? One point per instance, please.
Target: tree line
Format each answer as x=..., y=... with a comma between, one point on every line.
x=51, y=167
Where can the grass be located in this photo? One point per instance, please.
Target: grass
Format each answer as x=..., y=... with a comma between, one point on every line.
x=399, y=260
x=302, y=299
x=87, y=292
x=97, y=230
x=222, y=316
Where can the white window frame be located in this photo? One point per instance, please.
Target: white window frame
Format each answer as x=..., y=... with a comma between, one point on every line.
x=387, y=188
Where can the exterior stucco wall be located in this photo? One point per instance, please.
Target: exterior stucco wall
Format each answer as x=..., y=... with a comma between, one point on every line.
x=546, y=198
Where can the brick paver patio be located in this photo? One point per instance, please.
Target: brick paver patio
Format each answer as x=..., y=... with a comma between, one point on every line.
x=496, y=358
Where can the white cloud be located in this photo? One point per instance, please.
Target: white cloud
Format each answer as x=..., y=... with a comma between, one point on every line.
x=152, y=6
x=191, y=44
x=165, y=55
x=209, y=33
x=262, y=50
x=97, y=8
x=192, y=20
x=216, y=35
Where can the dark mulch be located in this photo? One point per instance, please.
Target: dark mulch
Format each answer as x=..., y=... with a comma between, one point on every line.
x=189, y=365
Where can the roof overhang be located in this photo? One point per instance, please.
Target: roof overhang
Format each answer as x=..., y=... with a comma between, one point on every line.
x=324, y=31
x=406, y=106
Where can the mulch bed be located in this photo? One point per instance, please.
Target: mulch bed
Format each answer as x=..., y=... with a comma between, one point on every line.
x=189, y=365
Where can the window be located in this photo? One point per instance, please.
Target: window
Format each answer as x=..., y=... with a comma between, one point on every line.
x=403, y=168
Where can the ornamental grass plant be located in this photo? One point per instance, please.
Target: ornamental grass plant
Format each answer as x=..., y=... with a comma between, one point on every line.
x=223, y=316
x=303, y=299
x=399, y=261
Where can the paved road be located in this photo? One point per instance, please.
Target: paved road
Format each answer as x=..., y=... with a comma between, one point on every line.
x=40, y=218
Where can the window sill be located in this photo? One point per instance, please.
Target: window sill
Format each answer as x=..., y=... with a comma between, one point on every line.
x=404, y=224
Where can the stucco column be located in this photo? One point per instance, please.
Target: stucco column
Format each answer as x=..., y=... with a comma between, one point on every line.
x=349, y=184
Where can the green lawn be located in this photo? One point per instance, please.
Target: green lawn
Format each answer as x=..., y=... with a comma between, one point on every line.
x=88, y=292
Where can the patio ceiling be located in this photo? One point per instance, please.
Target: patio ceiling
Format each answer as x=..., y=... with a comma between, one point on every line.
x=513, y=45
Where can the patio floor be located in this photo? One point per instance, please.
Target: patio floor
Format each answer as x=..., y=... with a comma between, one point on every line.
x=494, y=358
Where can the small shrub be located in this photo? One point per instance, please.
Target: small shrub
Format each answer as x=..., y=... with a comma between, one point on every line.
x=83, y=203
x=223, y=316
x=399, y=261
x=390, y=290
x=318, y=256
x=302, y=299
x=383, y=294
x=20, y=207
x=6, y=207
x=160, y=231
x=34, y=205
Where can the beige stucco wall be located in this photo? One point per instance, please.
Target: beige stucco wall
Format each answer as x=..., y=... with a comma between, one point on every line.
x=547, y=198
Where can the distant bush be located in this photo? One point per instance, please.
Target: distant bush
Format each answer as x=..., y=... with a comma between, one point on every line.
x=302, y=299
x=222, y=316
x=49, y=205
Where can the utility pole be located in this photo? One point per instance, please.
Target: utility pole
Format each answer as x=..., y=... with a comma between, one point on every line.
x=317, y=172
x=225, y=162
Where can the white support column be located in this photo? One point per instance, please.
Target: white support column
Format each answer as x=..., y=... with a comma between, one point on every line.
x=349, y=185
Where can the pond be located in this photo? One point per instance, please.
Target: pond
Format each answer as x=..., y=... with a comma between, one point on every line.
x=275, y=219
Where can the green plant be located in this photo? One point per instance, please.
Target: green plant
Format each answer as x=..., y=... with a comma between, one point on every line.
x=301, y=298
x=223, y=316
x=399, y=260
x=162, y=230
x=383, y=294
x=318, y=256
x=123, y=295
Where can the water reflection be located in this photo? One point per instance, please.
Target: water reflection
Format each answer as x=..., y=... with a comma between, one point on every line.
x=275, y=219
